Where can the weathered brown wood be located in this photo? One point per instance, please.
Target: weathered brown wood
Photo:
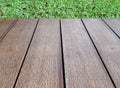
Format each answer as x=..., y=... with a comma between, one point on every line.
x=1, y=20
x=108, y=45
x=5, y=24
x=43, y=64
x=83, y=68
x=13, y=49
x=114, y=24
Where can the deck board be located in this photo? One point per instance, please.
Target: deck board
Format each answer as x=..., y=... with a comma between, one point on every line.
x=59, y=53
x=83, y=67
x=114, y=24
x=12, y=51
x=5, y=25
x=108, y=45
x=43, y=64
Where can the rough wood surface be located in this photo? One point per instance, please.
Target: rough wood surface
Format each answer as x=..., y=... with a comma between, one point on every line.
x=83, y=68
x=43, y=65
x=108, y=45
x=114, y=24
x=5, y=24
x=37, y=61
x=12, y=51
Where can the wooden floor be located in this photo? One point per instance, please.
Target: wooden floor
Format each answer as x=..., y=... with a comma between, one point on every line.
x=59, y=53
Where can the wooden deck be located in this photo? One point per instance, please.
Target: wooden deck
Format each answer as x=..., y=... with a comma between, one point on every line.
x=59, y=53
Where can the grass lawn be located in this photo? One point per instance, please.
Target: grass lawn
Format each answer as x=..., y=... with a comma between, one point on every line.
x=59, y=8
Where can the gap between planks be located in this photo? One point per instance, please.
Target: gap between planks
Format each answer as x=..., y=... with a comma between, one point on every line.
x=62, y=53
x=12, y=51
x=41, y=39
x=73, y=40
x=99, y=55
x=7, y=30
x=110, y=28
x=25, y=54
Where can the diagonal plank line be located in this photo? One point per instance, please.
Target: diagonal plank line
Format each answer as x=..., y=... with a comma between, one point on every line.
x=8, y=29
x=25, y=54
x=110, y=28
x=99, y=55
x=62, y=52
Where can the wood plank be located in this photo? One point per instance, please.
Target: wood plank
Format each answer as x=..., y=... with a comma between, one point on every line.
x=114, y=24
x=5, y=25
x=13, y=49
x=43, y=64
x=108, y=45
x=83, y=68
x=1, y=20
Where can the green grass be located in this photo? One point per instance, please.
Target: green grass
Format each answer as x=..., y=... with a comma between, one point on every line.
x=59, y=8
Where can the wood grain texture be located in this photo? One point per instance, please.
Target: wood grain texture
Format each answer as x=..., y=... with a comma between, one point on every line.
x=83, y=68
x=5, y=24
x=43, y=64
x=108, y=45
x=12, y=51
x=114, y=24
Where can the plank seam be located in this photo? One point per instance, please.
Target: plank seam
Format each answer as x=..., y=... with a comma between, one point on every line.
x=110, y=27
x=8, y=29
x=99, y=55
x=25, y=54
x=62, y=52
